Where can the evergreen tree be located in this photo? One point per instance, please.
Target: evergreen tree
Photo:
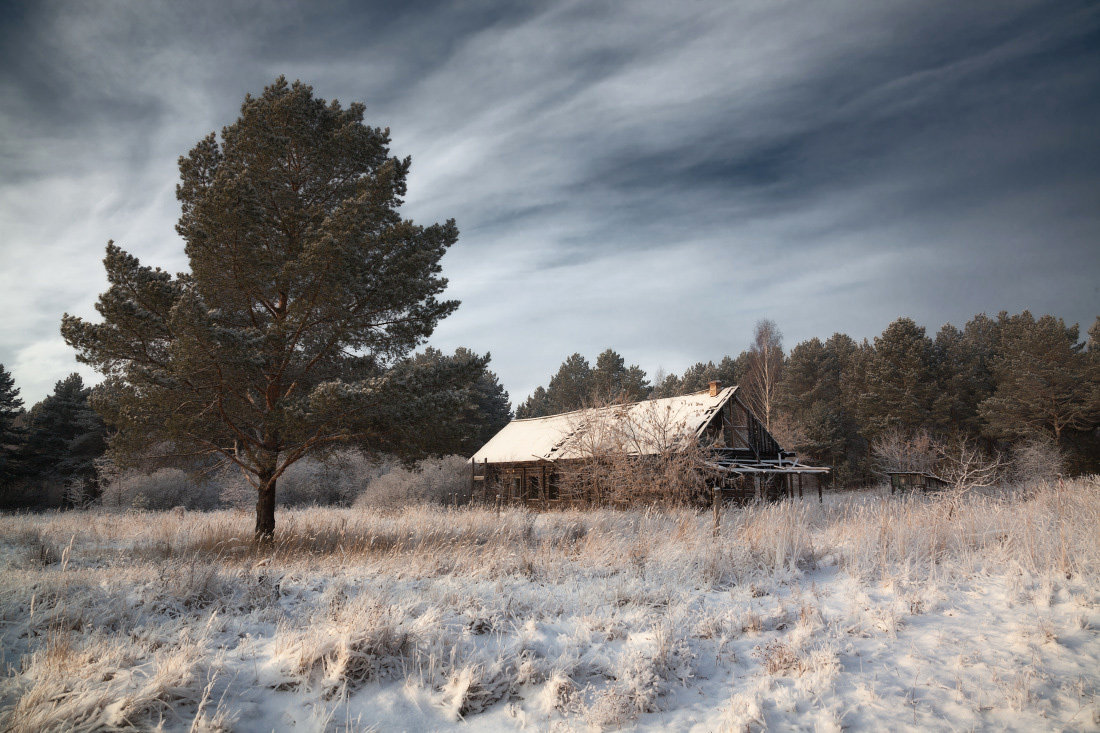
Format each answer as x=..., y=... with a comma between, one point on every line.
x=901, y=381
x=484, y=412
x=665, y=385
x=732, y=371
x=492, y=410
x=571, y=388
x=11, y=436
x=815, y=394
x=613, y=381
x=804, y=378
x=696, y=378
x=1045, y=381
x=536, y=405
x=66, y=436
x=964, y=374
x=307, y=289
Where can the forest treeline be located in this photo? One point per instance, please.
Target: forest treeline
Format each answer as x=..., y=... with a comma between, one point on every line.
x=997, y=381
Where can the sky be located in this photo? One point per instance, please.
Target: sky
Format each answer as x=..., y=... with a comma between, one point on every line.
x=651, y=177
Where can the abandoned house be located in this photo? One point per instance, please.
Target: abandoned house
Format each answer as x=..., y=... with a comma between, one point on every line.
x=531, y=460
x=915, y=480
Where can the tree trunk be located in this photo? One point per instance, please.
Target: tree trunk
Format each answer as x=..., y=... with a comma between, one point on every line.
x=265, y=508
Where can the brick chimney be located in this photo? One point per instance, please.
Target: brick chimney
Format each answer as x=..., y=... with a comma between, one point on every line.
x=715, y=386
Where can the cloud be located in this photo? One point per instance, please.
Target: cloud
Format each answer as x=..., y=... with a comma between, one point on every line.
x=645, y=177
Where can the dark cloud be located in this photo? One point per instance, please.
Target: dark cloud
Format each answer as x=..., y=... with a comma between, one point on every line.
x=651, y=177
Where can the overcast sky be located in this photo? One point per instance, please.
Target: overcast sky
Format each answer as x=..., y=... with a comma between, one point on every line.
x=653, y=177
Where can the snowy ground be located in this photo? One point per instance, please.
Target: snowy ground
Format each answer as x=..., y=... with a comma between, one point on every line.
x=867, y=613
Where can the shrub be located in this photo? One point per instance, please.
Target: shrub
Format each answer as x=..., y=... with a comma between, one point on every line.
x=1036, y=460
x=163, y=489
x=432, y=481
x=636, y=455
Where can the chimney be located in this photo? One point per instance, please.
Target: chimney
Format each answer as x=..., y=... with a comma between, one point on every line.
x=714, y=387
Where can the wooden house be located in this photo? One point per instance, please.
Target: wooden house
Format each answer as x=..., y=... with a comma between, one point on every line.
x=918, y=480
x=526, y=460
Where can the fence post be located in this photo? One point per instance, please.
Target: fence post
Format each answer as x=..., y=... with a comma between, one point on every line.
x=717, y=510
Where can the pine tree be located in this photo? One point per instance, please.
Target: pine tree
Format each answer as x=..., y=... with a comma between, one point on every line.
x=571, y=388
x=613, y=381
x=66, y=436
x=901, y=380
x=665, y=385
x=488, y=411
x=696, y=378
x=289, y=335
x=11, y=436
x=1045, y=381
x=732, y=371
x=964, y=374
x=815, y=395
x=536, y=405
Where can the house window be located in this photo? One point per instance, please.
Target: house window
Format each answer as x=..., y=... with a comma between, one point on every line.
x=533, y=486
x=552, y=487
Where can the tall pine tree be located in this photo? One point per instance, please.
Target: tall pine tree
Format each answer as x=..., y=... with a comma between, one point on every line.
x=307, y=290
x=1046, y=383
x=613, y=381
x=901, y=381
x=571, y=388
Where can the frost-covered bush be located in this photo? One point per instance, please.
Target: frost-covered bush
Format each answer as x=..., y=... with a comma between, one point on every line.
x=1036, y=460
x=433, y=481
x=163, y=489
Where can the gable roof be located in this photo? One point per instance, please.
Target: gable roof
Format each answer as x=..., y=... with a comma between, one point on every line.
x=641, y=428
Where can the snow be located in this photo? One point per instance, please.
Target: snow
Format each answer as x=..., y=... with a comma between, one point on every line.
x=866, y=612
x=557, y=436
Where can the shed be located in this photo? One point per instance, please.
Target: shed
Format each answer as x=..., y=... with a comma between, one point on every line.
x=920, y=480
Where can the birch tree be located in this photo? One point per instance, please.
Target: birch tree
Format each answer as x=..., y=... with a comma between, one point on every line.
x=765, y=369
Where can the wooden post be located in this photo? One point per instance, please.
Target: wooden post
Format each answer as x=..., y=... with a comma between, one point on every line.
x=717, y=510
x=799, y=486
x=819, y=499
x=756, y=486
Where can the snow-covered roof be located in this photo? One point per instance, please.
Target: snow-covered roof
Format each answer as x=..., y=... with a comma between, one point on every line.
x=641, y=428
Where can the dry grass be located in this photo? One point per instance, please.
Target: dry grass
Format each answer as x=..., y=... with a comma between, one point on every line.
x=134, y=620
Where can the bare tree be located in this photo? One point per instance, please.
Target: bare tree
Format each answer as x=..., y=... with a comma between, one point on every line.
x=958, y=460
x=966, y=466
x=764, y=370
x=640, y=453
x=903, y=450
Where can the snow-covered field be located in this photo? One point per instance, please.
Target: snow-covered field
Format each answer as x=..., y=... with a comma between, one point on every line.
x=867, y=612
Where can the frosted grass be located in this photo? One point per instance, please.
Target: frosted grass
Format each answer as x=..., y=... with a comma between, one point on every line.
x=425, y=617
